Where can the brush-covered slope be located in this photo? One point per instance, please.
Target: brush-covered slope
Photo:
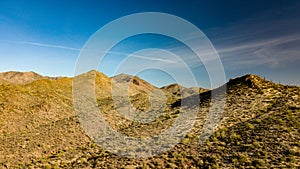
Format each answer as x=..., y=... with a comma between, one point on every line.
x=28, y=112
x=14, y=77
x=38, y=118
x=258, y=129
x=181, y=91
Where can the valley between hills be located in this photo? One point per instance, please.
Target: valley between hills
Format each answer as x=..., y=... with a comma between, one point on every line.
x=39, y=127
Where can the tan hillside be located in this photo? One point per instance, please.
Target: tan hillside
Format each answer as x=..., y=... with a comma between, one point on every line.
x=2, y=81
x=102, y=82
x=258, y=129
x=179, y=90
x=173, y=88
x=136, y=84
x=133, y=92
x=14, y=77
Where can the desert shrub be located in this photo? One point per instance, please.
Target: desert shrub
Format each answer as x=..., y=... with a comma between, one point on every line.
x=185, y=140
x=258, y=120
x=47, y=166
x=214, y=139
x=243, y=158
x=258, y=163
x=215, y=166
x=250, y=126
x=290, y=159
x=235, y=136
x=171, y=165
x=200, y=163
x=234, y=161
x=294, y=152
x=256, y=144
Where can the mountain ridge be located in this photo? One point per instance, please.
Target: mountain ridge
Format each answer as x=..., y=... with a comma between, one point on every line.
x=18, y=77
x=39, y=127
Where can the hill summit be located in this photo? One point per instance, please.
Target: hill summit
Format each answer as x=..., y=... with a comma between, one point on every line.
x=17, y=78
x=134, y=83
x=250, y=80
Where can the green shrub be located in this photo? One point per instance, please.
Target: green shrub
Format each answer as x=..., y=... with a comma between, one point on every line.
x=235, y=136
x=243, y=158
x=250, y=126
x=258, y=162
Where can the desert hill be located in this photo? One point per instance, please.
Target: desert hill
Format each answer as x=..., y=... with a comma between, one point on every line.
x=258, y=129
x=179, y=90
x=136, y=84
x=14, y=77
x=174, y=89
x=2, y=81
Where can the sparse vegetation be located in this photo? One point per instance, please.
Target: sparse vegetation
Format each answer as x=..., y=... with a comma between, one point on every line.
x=259, y=128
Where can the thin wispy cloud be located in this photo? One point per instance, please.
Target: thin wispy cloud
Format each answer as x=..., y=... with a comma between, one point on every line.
x=259, y=41
x=144, y=57
x=234, y=49
x=42, y=44
x=77, y=49
x=263, y=43
x=269, y=52
x=256, y=48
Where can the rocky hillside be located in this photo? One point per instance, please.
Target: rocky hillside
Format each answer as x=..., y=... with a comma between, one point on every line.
x=135, y=84
x=14, y=77
x=258, y=129
x=2, y=81
x=181, y=91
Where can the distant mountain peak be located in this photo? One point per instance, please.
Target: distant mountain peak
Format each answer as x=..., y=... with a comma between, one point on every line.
x=177, y=89
x=173, y=88
x=136, y=83
x=15, y=77
x=175, y=85
x=11, y=73
x=122, y=78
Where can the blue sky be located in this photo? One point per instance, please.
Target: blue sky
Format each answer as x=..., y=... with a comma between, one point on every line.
x=260, y=37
